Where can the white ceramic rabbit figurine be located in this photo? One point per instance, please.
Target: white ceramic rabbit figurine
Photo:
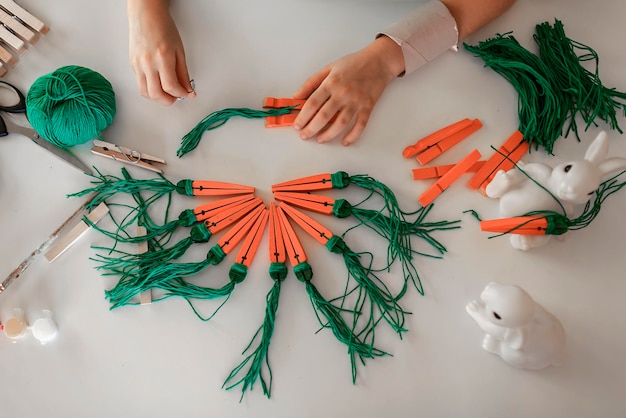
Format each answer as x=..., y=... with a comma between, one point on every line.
x=518, y=329
x=573, y=183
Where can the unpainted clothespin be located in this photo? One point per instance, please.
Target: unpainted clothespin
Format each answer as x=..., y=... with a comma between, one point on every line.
x=127, y=155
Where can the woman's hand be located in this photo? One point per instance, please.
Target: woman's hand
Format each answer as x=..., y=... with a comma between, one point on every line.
x=156, y=51
x=343, y=94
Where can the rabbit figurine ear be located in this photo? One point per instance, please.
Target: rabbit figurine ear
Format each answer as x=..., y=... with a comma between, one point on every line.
x=596, y=155
x=598, y=150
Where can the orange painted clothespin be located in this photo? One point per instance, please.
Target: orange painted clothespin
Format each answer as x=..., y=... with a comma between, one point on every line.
x=280, y=102
x=437, y=171
x=450, y=177
x=435, y=144
x=315, y=203
x=315, y=182
x=227, y=216
x=251, y=244
x=293, y=246
x=277, y=242
x=237, y=233
x=507, y=155
x=218, y=188
x=206, y=210
x=522, y=225
x=319, y=232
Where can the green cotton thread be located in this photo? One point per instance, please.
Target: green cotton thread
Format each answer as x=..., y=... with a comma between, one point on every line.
x=554, y=87
x=258, y=360
x=71, y=105
x=330, y=316
x=376, y=291
x=238, y=272
x=216, y=119
x=590, y=98
x=278, y=271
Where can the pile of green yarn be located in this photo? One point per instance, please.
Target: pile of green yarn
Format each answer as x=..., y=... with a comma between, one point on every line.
x=71, y=105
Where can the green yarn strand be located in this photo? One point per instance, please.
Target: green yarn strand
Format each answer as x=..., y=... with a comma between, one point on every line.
x=258, y=360
x=218, y=118
x=335, y=321
x=376, y=291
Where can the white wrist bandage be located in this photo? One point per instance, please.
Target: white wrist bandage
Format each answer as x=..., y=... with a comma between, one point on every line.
x=426, y=33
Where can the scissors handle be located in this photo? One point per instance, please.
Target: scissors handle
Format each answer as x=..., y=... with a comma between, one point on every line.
x=20, y=106
x=3, y=128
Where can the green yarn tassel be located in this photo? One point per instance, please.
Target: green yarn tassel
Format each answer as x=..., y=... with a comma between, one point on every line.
x=333, y=319
x=589, y=97
x=398, y=232
x=542, y=108
x=123, y=260
x=258, y=360
x=378, y=294
x=553, y=88
x=218, y=118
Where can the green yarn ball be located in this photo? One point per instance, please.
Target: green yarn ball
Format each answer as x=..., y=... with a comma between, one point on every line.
x=71, y=105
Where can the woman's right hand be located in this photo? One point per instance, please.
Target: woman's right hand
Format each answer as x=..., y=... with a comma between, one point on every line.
x=156, y=52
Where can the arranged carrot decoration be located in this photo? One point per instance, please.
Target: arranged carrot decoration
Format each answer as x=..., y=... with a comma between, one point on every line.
x=352, y=316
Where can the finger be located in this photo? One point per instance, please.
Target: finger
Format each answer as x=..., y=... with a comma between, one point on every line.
x=320, y=119
x=142, y=84
x=169, y=78
x=311, y=84
x=155, y=91
x=336, y=125
x=182, y=74
x=357, y=129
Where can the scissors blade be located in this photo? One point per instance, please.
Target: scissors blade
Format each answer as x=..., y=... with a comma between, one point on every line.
x=65, y=155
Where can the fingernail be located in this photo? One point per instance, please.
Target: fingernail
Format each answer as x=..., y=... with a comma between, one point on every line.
x=303, y=136
x=297, y=127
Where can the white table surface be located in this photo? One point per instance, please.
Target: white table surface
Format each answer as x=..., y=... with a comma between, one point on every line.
x=161, y=361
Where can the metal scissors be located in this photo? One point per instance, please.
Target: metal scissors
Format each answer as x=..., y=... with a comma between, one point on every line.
x=8, y=127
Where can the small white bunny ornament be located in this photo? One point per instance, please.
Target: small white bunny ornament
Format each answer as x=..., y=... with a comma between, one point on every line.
x=573, y=183
x=518, y=329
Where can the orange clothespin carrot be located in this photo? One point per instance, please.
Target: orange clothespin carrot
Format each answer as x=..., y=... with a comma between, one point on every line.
x=293, y=246
x=277, y=243
x=251, y=244
x=523, y=225
x=315, y=203
x=226, y=217
x=319, y=232
x=315, y=182
x=450, y=177
x=513, y=143
x=508, y=163
x=218, y=188
x=236, y=234
x=203, y=212
x=282, y=102
x=437, y=171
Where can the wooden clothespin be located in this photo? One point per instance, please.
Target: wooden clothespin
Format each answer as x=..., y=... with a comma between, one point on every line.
x=505, y=158
x=280, y=102
x=437, y=171
x=435, y=144
x=522, y=225
x=127, y=155
x=18, y=28
x=450, y=177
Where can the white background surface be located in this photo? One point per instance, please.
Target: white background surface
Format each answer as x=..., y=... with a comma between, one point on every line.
x=161, y=361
